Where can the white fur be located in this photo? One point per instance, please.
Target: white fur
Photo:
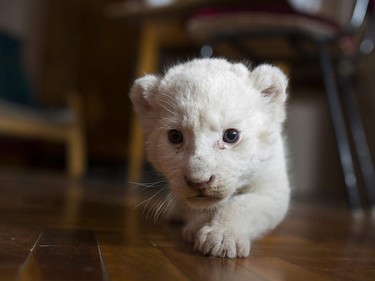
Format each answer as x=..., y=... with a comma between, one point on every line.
x=250, y=191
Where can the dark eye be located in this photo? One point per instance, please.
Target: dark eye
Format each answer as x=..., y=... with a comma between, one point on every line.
x=175, y=137
x=231, y=136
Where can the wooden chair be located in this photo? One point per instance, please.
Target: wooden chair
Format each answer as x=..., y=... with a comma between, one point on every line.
x=154, y=36
x=57, y=126
x=20, y=116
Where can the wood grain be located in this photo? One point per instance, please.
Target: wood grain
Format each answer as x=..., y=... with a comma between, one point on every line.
x=64, y=255
x=53, y=229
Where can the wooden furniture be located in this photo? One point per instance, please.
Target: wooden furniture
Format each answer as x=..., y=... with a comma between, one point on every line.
x=53, y=229
x=21, y=115
x=214, y=26
x=151, y=39
x=63, y=126
x=160, y=27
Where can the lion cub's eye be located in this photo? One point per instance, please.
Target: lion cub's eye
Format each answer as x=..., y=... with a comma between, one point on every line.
x=231, y=136
x=175, y=137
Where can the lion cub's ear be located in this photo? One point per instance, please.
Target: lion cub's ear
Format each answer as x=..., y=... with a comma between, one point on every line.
x=141, y=94
x=272, y=83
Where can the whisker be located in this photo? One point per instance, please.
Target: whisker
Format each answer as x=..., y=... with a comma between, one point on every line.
x=159, y=210
x=145, y=186
x=158, y=207
x=170, y=206
x=152, y=197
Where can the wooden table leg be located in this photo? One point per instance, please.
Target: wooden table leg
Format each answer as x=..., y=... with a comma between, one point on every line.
x=147, y=63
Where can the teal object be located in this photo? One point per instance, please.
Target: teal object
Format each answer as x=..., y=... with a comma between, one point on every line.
x=14, y=84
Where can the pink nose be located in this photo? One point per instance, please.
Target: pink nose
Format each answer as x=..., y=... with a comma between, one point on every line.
x=200, y=185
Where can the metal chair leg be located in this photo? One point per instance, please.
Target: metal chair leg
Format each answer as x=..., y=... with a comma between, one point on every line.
x=359, y=138
x=339, y=126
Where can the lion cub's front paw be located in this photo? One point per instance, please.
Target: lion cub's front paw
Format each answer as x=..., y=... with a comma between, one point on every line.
x=221, y=242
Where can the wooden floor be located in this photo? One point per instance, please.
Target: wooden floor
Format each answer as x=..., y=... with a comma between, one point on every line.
x=53, y=229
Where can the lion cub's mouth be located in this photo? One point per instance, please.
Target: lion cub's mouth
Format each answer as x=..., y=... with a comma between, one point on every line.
x=203, y=199
x=202, y=196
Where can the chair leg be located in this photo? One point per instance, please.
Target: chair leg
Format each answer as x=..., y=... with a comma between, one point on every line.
x=359, y=137
x=147, y=63
x=339, y=126
x=76, y=151
x=76, y=154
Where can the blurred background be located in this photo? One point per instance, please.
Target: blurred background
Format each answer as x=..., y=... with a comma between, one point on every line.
x=92, y=47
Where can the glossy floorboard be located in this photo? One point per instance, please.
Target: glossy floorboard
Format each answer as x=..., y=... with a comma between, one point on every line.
x=53, y=229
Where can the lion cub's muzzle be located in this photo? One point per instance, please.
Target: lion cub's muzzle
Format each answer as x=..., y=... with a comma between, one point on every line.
x=201, y=186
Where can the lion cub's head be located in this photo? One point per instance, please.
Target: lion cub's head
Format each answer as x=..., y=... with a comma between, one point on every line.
x=211, y=125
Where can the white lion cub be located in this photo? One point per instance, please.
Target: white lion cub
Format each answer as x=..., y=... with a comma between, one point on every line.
x=214, y=130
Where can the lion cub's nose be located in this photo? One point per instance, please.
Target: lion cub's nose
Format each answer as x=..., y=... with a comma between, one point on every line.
x=200, y=185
